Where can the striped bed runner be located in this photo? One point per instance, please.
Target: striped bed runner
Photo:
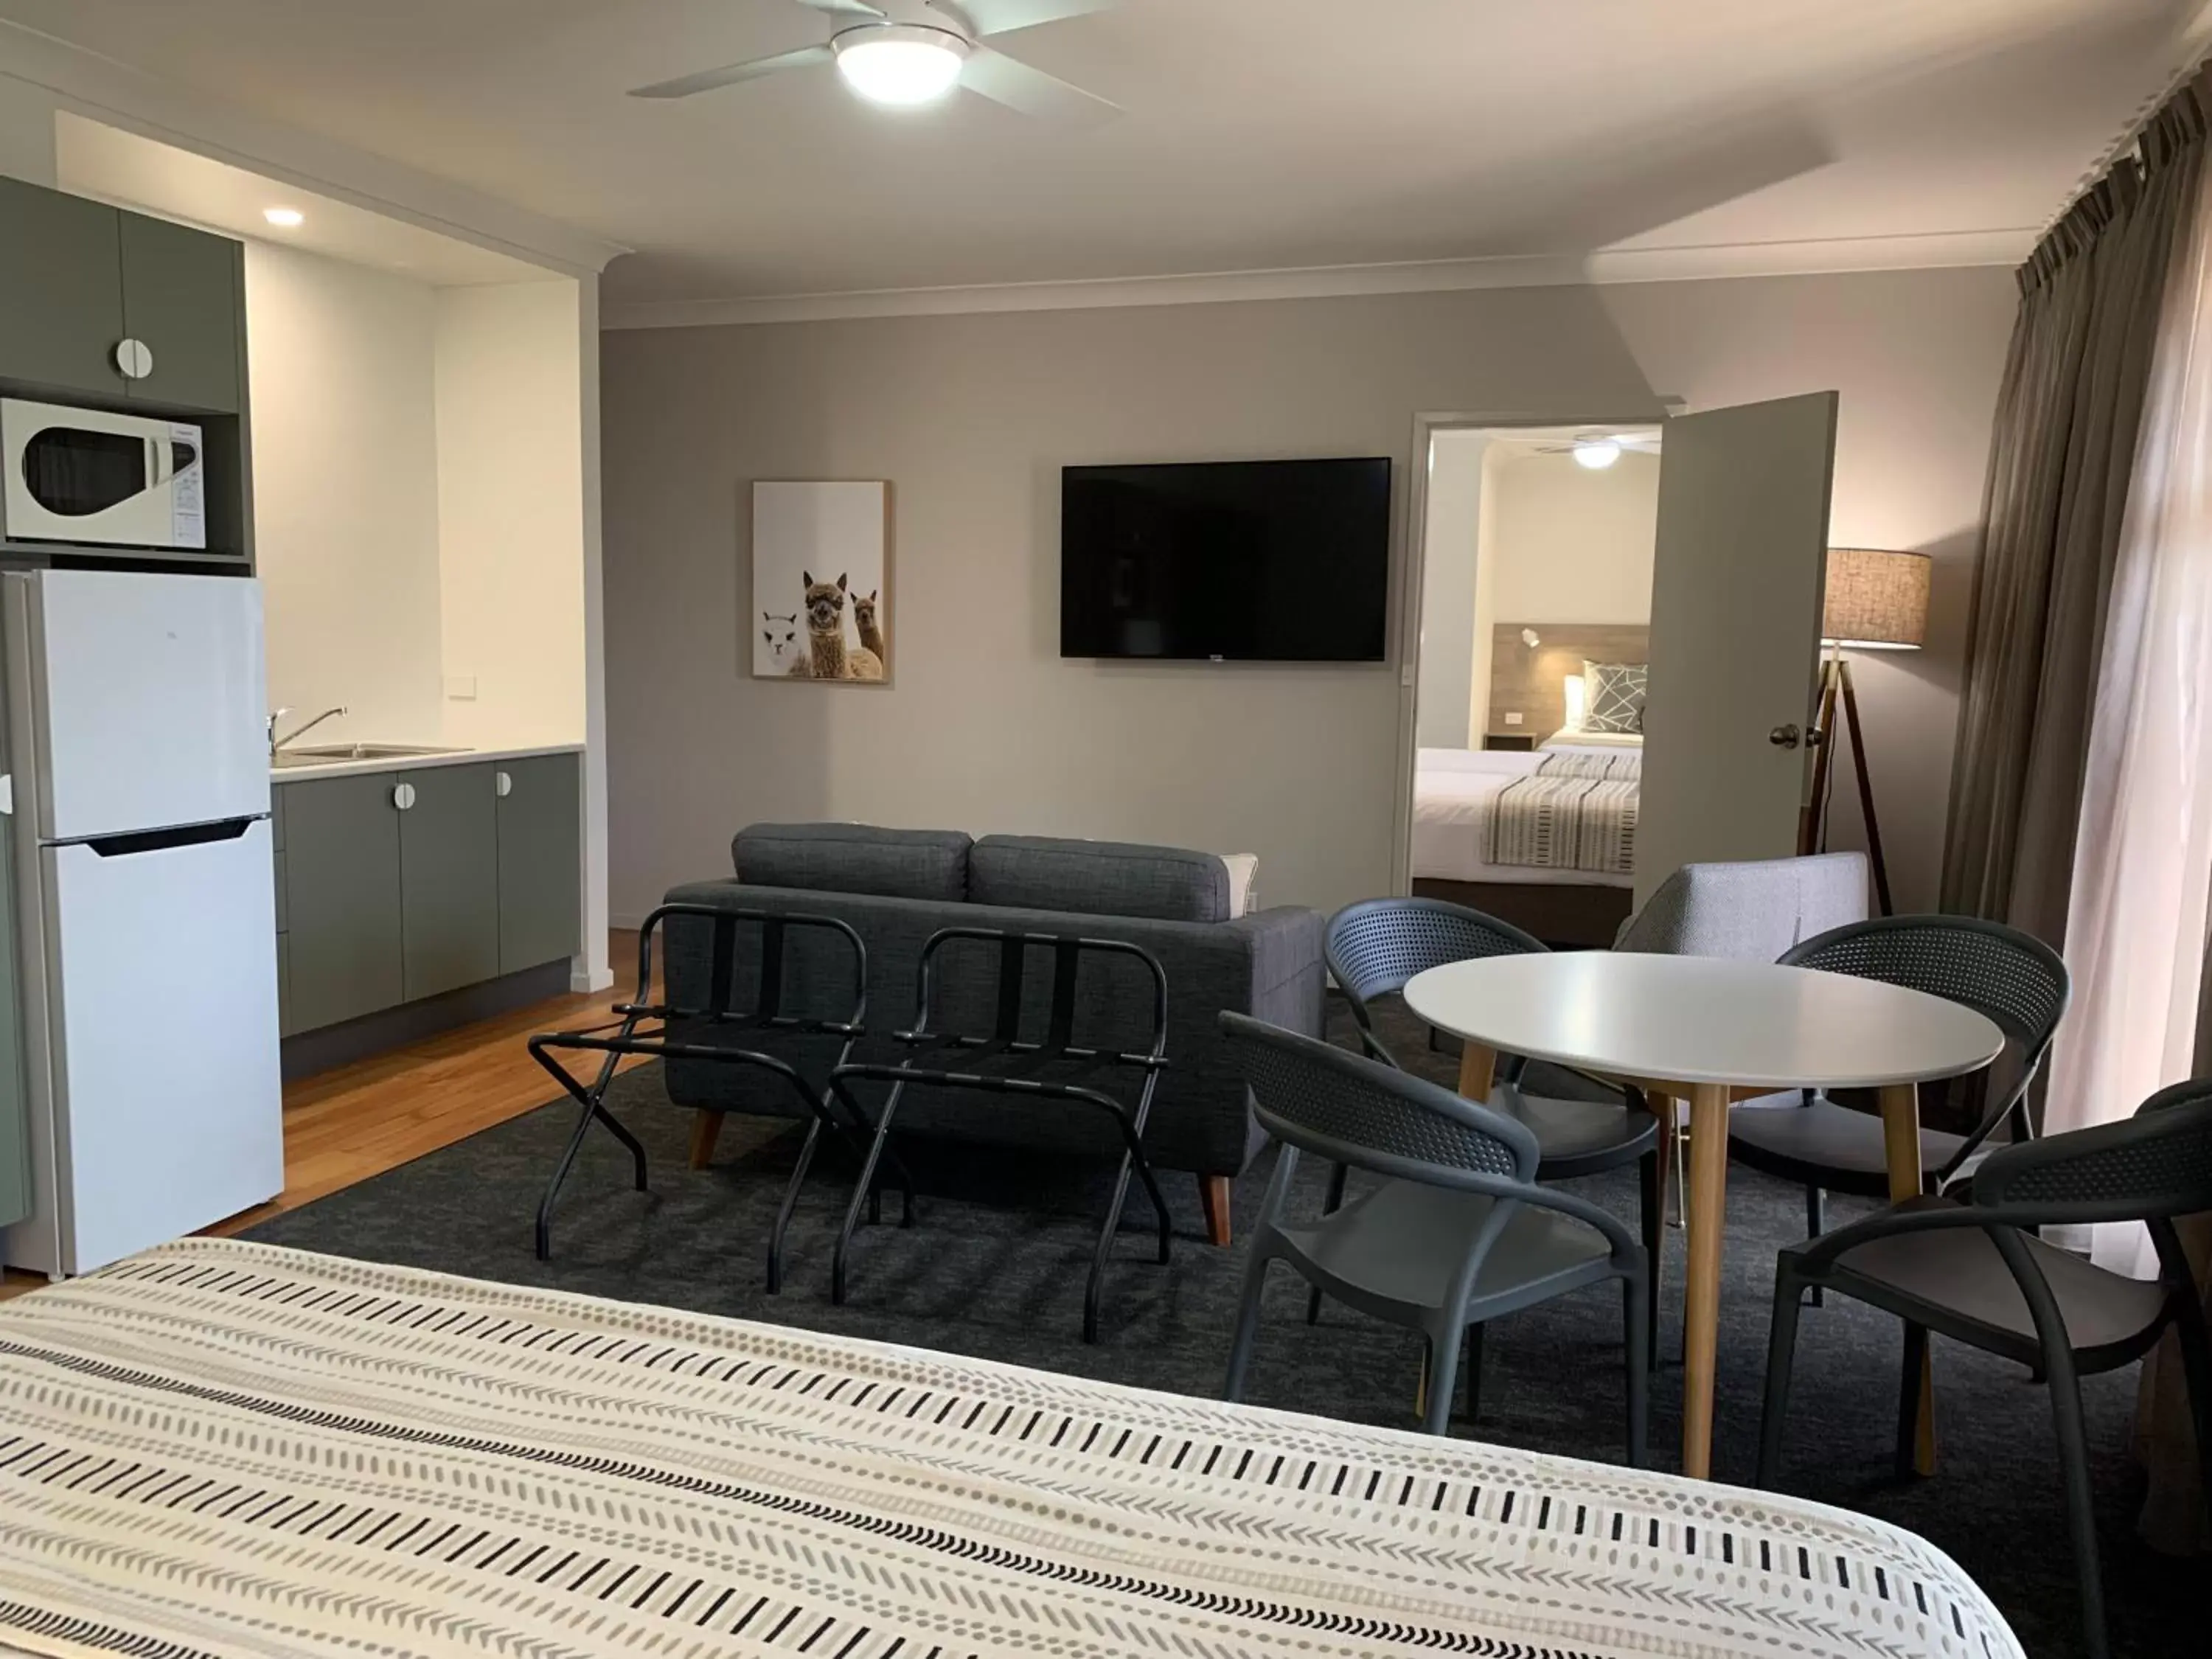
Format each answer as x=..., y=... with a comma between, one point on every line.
x=222, y=1448
x=1573, y=812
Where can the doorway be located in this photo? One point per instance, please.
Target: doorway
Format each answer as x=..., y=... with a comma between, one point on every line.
x=1536, y=553
x=1610, y=648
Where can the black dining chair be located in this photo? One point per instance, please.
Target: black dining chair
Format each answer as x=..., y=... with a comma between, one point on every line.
x=1372, y=949
x=1975, y=1271
x=2020, y=983
x=1457, y=1233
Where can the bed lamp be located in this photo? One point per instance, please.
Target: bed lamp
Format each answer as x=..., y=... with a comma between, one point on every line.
x=1875, y=600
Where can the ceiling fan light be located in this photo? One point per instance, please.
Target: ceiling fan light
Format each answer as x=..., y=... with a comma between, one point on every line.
x=900, y=65
x=1596, y=453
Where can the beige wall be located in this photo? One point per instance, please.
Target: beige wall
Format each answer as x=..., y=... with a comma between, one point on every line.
x=345, y=491
x=1571, y=545
x=510, y=513
x=1454, y=656
x=972, y=416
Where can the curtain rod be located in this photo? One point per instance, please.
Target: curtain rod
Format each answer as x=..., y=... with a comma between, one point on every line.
x=2195, y=39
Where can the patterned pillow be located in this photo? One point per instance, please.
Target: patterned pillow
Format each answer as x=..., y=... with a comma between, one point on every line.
x=1614, y=694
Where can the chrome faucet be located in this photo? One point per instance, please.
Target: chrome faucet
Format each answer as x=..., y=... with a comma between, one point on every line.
x=278, y=744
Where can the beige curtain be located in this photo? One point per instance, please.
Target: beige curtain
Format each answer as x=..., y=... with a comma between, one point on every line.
x=2068, y=416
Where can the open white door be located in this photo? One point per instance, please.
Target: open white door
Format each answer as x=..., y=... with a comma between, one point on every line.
x=1737, y=578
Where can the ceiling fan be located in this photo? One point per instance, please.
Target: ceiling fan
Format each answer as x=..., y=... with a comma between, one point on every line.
x=913, y=51
x=1600, y=450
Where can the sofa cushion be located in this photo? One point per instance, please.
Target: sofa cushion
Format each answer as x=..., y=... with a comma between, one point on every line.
x=1098, y=878
x=854, y=858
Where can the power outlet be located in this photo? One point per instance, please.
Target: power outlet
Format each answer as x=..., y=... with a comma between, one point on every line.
x=1513, y=717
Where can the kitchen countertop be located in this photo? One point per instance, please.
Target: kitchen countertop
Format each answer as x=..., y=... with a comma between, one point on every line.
x=335, y=768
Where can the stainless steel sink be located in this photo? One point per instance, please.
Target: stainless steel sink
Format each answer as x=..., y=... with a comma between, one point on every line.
x=329, y=754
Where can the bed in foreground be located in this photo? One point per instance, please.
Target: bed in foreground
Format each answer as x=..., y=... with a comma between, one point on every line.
x=222, y=1448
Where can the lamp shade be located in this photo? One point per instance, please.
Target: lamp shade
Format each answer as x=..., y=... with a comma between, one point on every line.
x=1876, y=600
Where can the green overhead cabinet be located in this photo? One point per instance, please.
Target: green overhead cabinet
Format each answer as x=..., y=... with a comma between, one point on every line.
x=344, y=951
x=448, y=878
x=61, y=291
x=79, y=278
x=540, y=861
x=183, y=297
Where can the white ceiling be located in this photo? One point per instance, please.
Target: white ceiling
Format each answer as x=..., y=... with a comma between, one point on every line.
x=95, y=159
x=1260, y=134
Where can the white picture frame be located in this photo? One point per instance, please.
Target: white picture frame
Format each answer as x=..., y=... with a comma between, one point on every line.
x=820, y=593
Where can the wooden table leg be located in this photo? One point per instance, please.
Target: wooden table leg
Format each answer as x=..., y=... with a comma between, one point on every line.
x=1701, y=1303
x=1478, y=1070
x=1900, y=1135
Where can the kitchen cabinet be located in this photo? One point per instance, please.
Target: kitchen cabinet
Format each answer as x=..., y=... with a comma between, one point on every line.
x=78, y=277
x=449, y=887
x=395, y=886
x=540, y=861
x=182, y=295
x=61, y=291
x=344, y=947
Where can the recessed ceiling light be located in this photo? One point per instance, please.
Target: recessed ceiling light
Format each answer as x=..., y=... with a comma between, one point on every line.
x=288, y=218
x=1596, y=453
x=899, y=64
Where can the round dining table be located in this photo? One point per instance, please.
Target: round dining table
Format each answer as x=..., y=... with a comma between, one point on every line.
x=1711, y=1032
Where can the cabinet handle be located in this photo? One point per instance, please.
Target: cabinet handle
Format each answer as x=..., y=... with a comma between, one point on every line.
x=134, y=359
x=503, y=784
x=403, y=796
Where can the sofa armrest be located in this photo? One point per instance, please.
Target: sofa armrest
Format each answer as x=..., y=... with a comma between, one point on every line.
x=1288, y=978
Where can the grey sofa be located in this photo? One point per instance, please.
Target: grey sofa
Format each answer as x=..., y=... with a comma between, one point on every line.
x=897, y=887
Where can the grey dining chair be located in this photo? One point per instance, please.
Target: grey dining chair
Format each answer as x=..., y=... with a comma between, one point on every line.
x=1373, y=948
x=1751, y=910
x=2018, y=982
x=1977, y=1272
x=1458, y=1231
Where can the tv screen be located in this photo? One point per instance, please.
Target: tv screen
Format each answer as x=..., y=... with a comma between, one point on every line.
x=1253, y=561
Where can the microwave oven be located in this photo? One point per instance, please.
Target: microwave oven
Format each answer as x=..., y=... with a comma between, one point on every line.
x=92, y=478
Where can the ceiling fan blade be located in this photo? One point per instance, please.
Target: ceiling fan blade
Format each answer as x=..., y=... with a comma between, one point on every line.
x=730, y=73
x=1008, y=80
x=843, y=8
x=1005, y=16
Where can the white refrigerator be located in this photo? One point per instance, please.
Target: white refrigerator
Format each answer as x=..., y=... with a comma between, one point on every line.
x=139, y=776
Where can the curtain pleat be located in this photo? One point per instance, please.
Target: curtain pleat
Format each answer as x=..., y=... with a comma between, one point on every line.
x=2069, y=411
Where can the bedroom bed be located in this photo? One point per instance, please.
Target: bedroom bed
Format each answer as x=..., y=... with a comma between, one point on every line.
x=222, y=1448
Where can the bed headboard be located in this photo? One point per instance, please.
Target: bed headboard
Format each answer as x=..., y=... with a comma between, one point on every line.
x=1530, y=679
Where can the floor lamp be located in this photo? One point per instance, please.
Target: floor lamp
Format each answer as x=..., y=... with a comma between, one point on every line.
x=1875, y=601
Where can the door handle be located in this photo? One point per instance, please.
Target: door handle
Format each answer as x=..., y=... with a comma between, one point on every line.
x=403, y=796
x=1783, y=737
x=503, y=784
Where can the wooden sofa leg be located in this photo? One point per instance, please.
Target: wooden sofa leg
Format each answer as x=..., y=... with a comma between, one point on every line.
x=706, y=1128
x=1213, y=1192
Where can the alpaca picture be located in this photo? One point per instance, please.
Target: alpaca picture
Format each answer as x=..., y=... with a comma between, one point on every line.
x=781, y=635
x=864, y=620
x=821, y=582
x=831, y=657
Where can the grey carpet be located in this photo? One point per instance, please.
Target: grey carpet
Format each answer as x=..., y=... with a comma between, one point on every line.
x=995, y=1267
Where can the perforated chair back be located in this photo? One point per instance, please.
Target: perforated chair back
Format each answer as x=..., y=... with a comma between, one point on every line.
x=2017, y=981
x=1372, y=948
x=2153, y=1166
x=1356, y=1111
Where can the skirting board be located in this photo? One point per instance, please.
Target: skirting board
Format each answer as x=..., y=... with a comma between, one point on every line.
x=307, y=1052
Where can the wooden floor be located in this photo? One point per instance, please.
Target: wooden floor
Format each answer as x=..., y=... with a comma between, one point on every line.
x=346, y=1125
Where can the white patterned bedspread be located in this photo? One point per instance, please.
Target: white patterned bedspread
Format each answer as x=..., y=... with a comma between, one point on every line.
x=230, y=1449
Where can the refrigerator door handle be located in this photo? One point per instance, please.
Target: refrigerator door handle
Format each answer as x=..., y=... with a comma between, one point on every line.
x=163, y=841
x=7, y=794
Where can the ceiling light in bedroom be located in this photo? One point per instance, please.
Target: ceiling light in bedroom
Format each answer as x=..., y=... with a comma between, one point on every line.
x=1596, y=453
x=1531, y=638
x=899, y=64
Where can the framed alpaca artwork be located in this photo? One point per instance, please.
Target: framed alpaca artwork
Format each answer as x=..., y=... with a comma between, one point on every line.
x=822, y=581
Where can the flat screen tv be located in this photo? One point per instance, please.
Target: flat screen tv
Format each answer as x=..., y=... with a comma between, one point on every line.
x=1226, y=561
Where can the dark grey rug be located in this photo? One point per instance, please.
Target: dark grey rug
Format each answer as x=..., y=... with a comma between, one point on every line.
x=995, y=1267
